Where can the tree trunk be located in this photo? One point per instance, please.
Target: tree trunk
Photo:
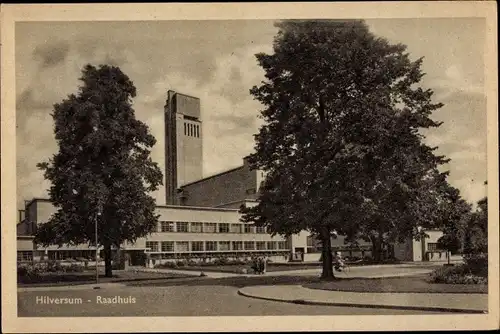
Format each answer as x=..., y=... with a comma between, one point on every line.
x=327, y=256
x=107, y=261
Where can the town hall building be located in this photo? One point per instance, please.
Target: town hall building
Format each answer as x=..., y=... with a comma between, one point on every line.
x=200, y=217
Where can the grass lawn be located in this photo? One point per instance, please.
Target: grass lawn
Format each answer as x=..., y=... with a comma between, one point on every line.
x=88, y=277
x=415, y=284
x=409, y=284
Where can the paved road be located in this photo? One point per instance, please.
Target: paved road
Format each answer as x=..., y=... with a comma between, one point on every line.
x=173, y=301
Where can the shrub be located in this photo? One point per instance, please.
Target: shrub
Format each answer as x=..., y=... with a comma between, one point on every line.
x=477, y=264
x=74, y=268
x=171, y=265
x=456, y=275
x=28, y=272
x=181, y=263
x=221, y=261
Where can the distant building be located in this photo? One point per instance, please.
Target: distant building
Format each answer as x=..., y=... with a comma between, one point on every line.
x=201, y=217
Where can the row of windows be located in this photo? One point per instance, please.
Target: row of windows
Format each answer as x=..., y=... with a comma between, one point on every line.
x=24, y=256
x=198, y=227
x=192, y=130
x=200, y=246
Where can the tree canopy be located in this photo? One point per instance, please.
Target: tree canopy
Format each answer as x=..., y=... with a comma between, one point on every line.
x=103, y=167
x=340, y=142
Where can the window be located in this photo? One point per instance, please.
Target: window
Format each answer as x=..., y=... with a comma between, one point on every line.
x=197, y=246
x=191, y=130
x=182, y=246
x=224, y=245
x=210, y=227
x=236, y=228
x=261, y=245
x=185, y=129
x=432, y=246
x=260, y=229
x=223, y=228
x=152, y=245
x=198, y=131
x=197, y=227
x=167, y=246
x=211, y=245
x=282, y=245
x=166, y=226
x=182, y=227
x=237, y=245
x=271, y=245
x=249, y=245
x=249, y=228
x=24, y=256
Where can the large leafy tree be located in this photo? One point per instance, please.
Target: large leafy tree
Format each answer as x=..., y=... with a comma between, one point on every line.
x=340, y=141
x=103, y=171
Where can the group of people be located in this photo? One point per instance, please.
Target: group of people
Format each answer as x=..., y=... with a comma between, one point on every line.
x=259, y=265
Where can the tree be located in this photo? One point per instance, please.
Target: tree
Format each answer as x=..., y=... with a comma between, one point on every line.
x=453, y=211
x=340, y=141
x=103, y=171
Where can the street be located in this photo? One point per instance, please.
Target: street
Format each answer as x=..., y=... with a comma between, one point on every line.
x=171, y=301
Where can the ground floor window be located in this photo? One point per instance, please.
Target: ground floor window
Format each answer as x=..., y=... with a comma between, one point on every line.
x=197, y=246
x=224, y=245
x=152, y=245
x=182, y=246
x=24, y=256
x=249, y=245
x=237, y=245
x=261, y=245
x=167, y=246
x=211, y=245
x=271, y=245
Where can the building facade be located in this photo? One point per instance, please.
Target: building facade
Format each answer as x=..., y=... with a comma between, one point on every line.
x=201, y=217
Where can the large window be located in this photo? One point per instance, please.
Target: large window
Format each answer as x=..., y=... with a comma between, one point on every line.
x=223, y=228
x=24, y=256
x=432, y=246
x=261, y=245
x=182, y=227
x=282, y=245
x=271, y=245
x=197, y=227
x=152, y=246
x=197, y=246
x=236, y=228
x=182, y=246
x=249, y=228
x=211, y=245
x=210, y=228
x=249, y=245
x=166, y=226
x=167, y=246
x=237, y=245
x=260, y=229
x=224, y=245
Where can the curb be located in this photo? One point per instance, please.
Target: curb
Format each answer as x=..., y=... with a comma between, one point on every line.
x=376, y=306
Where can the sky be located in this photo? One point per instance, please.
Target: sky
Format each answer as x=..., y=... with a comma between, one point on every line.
x=214, y=60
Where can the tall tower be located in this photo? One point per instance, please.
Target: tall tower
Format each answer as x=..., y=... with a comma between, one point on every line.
x=183, y=143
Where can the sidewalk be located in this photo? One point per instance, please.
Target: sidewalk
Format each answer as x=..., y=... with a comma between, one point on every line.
x=445, y=302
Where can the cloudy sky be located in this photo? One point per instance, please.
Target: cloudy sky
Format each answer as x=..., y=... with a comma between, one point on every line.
x=214, y=60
